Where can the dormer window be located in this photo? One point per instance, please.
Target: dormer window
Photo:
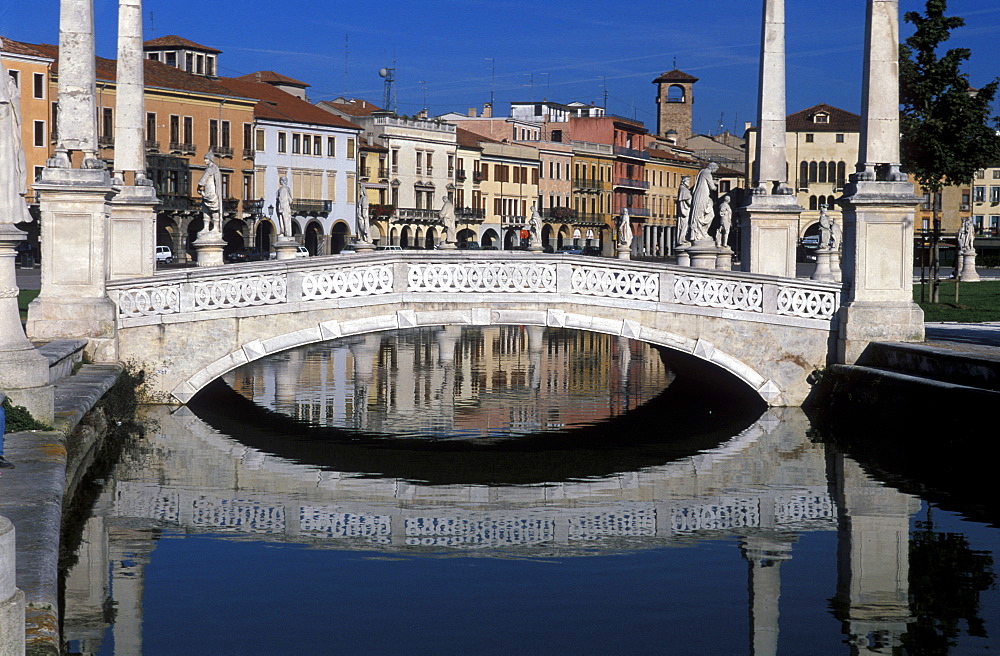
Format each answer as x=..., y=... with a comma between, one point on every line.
x=821, y=118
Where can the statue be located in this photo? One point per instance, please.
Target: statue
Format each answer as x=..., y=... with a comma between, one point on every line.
x=725, y=223
x=825, y=228
x=534, y=231
x=683, y=210
x=966, y=236
x=836, y=235
x=702, y=203
x=447, y=216
x=625, y=229
x=210, y=187
x=363, y=218
x=13, y=206
x=283, y=204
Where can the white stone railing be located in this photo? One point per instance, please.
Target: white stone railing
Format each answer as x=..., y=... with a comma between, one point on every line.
x=466, y=275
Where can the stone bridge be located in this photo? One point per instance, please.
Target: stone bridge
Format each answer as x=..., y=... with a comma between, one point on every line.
x=192, y=326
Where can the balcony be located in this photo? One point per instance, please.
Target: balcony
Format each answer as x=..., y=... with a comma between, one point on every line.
x=638, y=211
x=631, y=184
x=512, y=221
x=223, y=151
x=469, y=215
x=477, y=176
x=183, y=148
x=590, y=184
x=591, y=219
x=622, y=151
x=254, y=207
x=230, y=206
x=105, y=142
x=383, y=172
x=152, y=146
x=175, y=202
x=249, y=153
x=416, y=215
x=460, y=175
x=430, y=170
x=308, y=206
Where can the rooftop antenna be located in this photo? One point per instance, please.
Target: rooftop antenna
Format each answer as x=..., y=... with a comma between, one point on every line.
x=152, y=26
x=347, y=54
x=493, y=76
x=675, y=62
x=423, y=83
x=604, y=85
x=389, y=91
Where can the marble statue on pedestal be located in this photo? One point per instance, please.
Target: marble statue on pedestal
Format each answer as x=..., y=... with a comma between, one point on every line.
x=625, y=229
x=836, y=235
x=966, y=235
x=703, y=203
x=825, y=228
x=725, y=223
x=534, y=228
x=283, y=206
x=210, y=188
x=362, y=218
x=13, y=180
x=447, y=216
x=684, y=210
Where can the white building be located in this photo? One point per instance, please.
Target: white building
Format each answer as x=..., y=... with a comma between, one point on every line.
x=316, y=151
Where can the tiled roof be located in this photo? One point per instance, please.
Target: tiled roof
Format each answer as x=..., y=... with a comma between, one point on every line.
x=663, y=154
x=157, y=74
x=839, y=120
x=675, y=76
x=468, y=139
x=364, y=144
x=278, y=105
x=355, y=107
x=27, y=49
x=272, y=78
x=174, y=41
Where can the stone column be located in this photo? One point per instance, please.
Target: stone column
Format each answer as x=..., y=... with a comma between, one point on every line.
x=879, y=207
x=872, y=599
x=77, y=125
x=764, y=557
x=133, y=219
x=11, y=599
x=770, y=220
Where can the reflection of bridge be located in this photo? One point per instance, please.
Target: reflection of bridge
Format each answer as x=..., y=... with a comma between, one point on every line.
x=765, y=487
x=195, y=325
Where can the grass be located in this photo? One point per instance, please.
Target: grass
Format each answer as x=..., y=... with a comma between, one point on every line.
x=24, y=297
x=977, y=302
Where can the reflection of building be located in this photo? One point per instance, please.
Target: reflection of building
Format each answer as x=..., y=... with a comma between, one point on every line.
x=477, y=381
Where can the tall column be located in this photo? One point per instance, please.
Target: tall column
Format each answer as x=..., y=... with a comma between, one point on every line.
x=73, y=300
x=770, y=220
x=879, y=207
x=764, y=557
x=133, y=219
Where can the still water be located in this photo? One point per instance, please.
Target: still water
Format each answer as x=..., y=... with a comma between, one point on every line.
x=510, y=490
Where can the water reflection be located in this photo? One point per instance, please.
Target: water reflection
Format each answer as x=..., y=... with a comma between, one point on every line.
x=764, y=492
x=458, y=382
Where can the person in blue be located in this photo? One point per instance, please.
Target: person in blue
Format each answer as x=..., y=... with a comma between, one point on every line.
x=4, y=463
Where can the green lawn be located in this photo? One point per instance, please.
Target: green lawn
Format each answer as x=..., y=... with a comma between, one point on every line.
x=24, y=297
x=977, y=301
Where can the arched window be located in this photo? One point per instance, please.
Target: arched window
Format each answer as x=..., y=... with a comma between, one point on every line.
x=812, y=202
x=803, y=175
x=675, y=93
x=812, y=171
x=832, y=177
x=822, y=172
x=841, y=174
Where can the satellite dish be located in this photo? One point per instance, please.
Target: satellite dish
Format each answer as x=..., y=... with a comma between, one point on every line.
x=382, y=72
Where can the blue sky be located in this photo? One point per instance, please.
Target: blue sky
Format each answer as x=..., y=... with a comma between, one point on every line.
x=447, y=49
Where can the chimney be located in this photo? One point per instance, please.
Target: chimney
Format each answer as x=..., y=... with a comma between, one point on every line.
x=472, y=112
x=487, y=110
x=422, y=114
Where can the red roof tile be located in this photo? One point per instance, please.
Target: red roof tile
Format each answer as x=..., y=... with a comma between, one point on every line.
x=355, y=107
x=272, y=78
x=172, y=40
x=839, y=120
x=278, y=105
x=675, y=76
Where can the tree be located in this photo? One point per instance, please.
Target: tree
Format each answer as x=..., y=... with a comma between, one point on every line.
x=947, y=131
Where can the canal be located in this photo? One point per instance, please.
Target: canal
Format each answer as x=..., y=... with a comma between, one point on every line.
x=516, y=490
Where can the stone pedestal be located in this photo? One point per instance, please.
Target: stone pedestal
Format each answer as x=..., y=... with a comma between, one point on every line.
x=968, y=272
x=823, y=270
x=209, y=248
x=769, y=230
x=536, y=249
x=73, y=302
x=623, y=252
x=683, y=258
x=11, y=599
x=724, y=259
x=363, y=247
x=285, y=246
x=133, y=232
x=835, y=266
x=878, y=267
x=447, y=246
x=703, y=254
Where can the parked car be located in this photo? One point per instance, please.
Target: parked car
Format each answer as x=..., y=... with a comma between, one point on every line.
x=246, y=255
x=164, y=254
x=806, y=252
x=489, y=248
x=570, y=250
x=301, y=251
x=595, y=251
x=390, y=248
x=469, y=246
x=348, y=249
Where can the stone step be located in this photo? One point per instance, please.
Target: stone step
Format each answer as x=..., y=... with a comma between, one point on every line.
x=891, y=392
x=966, y=365
x=63, y=355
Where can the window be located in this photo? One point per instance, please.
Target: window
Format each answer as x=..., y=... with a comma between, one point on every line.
x=38, y=90
x=282, y=142
x=39, y=134
x=38, y=172
x=225, y=185
x=306, y=144
x=213, y=133
x=189, y=63
x=840, y=138
x=927, y=202
x=803, y=175
x=350, y=149
x=352, y=189
x=150, y=126
x=247, y=186
x=995, y=194
x=296, y=144
x=810, y=138
x=226, y=143
x=420, y=160
x=395, y=160
x=430, y=166
x=175, y=129
x=317, y=146
x=979, y=194
x=201, y=64
x=994, y=224
x=171, y=59
x=996, y=174
x=981, y=174
x=155, y=56
x=188, y=130
x=210, y=66
x=247, y=136
x=821, y=118
x=331, y=146
x=107, y=122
